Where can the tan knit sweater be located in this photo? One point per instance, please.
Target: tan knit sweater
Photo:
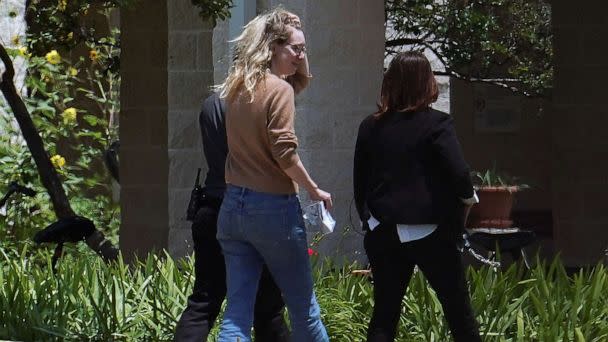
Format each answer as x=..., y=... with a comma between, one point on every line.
x=261, y=138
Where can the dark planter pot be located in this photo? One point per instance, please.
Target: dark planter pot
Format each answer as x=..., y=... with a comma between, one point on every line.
x=493, y=209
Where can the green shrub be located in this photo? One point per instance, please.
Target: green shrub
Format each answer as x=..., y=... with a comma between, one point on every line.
x=74, y=106
x=89, y=300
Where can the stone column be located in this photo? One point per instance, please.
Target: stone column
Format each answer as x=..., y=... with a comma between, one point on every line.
x=166, y=71
x=345, y=39
x=580, y=184
x=143, y=129
x=190, y=76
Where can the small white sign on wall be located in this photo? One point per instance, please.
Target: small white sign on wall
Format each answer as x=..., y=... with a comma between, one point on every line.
x=496, y=110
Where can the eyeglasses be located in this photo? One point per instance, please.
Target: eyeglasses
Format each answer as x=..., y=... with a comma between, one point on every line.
x=297, y=49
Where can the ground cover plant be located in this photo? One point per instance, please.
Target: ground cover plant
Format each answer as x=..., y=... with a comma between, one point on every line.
x=93, y=301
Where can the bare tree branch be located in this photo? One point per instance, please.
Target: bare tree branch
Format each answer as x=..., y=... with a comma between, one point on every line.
x=48, y=174
x=403, y=41
x=500, y=82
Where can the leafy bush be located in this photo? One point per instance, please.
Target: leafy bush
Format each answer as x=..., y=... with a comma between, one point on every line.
x=89, y=300
x=74, y=106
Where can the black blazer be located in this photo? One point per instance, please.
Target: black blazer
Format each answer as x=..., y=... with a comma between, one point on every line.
x=409, y=168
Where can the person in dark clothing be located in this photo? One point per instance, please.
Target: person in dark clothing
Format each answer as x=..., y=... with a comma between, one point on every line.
x=209, y=289
x=412, y=188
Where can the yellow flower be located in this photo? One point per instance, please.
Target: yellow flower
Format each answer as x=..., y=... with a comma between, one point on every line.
x=93, y=55
x=70, y=35
x=62, y=4
x=73, y=71
x=53, y=57
x=23, y=51
x=69, y=115
x=58, y=161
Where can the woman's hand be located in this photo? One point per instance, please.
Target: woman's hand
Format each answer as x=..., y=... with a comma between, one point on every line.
x=301, y=78
x=317, y=194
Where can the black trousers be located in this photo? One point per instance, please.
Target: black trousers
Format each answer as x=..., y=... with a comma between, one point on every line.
x=210, y=288
x=392, y=266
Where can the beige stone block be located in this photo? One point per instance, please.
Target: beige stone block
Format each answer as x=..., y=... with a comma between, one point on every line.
x=138, y=241
x=346, y=46
x=335, y=13
x=369, y=86
x=220, y=55
x=346, y=128
x=157, y=121
x=592, y=15
x=371, y=14
x=567, y=46
x=143, y=89
x=178, y=202
x=565, y=14
x=296, y=6
x=183, y=15
x=595, y=123
x=593, y=50
x=143, y=166
x=318, y=43
x=314, y=130
x=594, y=199
x=332, y=89
x=187, y=89
x=183, y=164
x=593, y=83
x=567, y=204
x=182, y=50
x=204, y=51
x=134, y=127
x=581, y=244
x=144, y=15
x=144, y=50
x=180, y=243
x=331, y=169
x=567, y=128
x=145, y=205
x=184, y=131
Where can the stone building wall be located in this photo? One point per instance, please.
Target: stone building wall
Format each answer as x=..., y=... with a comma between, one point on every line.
x=345, y=40
x=580, y=118
x=190, y=76
x=144, y=161
x=167, y=67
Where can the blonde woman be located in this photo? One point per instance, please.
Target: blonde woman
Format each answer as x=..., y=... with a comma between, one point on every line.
x=260, y=220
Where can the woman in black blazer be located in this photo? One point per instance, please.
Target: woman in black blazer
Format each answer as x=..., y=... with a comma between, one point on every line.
x=412, y=187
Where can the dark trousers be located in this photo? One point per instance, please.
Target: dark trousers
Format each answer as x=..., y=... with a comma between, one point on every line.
x=392, y=266
x=210, y=288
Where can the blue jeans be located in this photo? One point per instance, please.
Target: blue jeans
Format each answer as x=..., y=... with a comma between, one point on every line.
x=256, y=228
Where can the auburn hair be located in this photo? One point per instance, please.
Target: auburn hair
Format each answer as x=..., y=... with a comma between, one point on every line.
x=408, y=84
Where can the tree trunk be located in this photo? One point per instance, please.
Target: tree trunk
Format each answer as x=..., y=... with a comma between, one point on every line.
x=47, y=171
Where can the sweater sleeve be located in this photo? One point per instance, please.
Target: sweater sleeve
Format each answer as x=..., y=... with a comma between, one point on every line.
x=280, y=124
x=451, y=159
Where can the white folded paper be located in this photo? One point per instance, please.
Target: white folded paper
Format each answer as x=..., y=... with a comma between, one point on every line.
x=316, y=215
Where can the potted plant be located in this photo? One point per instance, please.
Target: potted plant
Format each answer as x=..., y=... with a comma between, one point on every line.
x=496, y=194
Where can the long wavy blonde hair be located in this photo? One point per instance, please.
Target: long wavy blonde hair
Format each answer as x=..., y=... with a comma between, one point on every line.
x=253, y=51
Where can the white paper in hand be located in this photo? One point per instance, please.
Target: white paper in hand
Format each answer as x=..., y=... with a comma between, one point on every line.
x=327, y=223
x=318, y=217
